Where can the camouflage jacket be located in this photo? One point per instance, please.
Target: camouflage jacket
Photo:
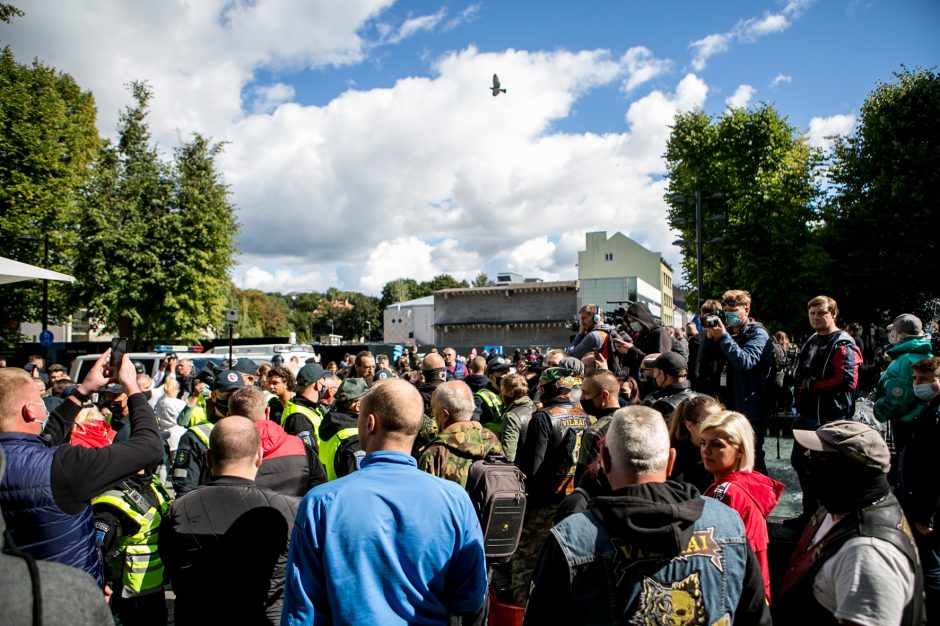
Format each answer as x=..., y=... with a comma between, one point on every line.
x=454, y=449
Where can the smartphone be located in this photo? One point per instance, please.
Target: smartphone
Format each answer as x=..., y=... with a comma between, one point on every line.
x=118, y=350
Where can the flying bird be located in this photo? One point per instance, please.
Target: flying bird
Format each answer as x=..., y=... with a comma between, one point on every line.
x=495, y=87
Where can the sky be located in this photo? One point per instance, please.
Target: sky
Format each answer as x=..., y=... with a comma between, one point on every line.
x=363, y=144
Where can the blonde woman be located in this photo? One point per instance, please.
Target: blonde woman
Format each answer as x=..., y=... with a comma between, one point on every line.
x=728, y=453
x=91, y=429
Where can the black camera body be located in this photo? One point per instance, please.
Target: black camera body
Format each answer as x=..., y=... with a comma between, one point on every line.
x=711, y=321
x=209, y=372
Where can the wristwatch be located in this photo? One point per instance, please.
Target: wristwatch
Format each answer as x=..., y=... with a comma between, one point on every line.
x=78, y=395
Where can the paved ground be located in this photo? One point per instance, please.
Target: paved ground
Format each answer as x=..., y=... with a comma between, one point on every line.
x=779, y=468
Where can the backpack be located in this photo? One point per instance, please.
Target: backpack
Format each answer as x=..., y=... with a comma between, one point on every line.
x=497, y=491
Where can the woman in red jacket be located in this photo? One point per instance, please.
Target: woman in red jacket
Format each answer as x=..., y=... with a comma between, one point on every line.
x=728, y=453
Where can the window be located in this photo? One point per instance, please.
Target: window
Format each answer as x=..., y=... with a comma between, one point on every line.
x=608, y=256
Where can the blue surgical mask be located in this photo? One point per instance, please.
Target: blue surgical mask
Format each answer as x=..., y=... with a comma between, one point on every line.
x=925, y=392
x=636, y=326
x=732, y=319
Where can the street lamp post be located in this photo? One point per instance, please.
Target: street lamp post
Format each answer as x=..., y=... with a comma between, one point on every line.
x=698, y=236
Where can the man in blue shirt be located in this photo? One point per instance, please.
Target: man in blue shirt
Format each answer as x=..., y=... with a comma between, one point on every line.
x=388, y=544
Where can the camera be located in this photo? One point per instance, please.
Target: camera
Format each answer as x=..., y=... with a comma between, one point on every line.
x=207, y=374
x=711, y=321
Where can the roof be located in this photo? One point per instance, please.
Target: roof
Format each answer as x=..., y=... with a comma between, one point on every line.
x=558, y=285
x=425, y=301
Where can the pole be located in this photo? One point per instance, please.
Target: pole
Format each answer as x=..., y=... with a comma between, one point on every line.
x=698, y=247
x=45, y=292
x=230, y=349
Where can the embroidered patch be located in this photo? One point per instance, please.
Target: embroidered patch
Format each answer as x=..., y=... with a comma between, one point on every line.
x=305, y=436
x=359, y=455
x=701, y=543
x=182, y=458
x=678, y=603
x=101, y=529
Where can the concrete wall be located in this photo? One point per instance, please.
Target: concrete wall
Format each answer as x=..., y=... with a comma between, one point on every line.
x=408, y=324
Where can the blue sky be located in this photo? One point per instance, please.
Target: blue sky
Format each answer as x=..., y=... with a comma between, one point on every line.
x=363, y=144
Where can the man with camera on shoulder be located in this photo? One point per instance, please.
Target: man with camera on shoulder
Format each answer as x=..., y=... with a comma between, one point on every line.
x=749, y=354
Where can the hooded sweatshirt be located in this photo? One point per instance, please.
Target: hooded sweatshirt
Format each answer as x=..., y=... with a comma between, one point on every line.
x=289, y=466
x=753, y=495
x=653, y=339
x=650, y=521
x=93, y=434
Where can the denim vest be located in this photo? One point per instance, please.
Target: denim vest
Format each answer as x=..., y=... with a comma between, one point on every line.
x=36, y=523
x=615, y=583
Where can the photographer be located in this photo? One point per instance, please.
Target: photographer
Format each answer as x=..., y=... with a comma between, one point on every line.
x=747, y=348
x=593, y=334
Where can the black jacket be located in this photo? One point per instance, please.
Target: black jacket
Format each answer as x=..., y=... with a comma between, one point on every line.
x=667, y=399
x=549, y=455
x=653, y=339
x=224, y=547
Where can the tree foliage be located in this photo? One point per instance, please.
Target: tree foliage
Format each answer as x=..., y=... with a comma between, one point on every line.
x=404, y=289
x=882, y=219
x=758, y=236
x=156, y=238
x=47, y=141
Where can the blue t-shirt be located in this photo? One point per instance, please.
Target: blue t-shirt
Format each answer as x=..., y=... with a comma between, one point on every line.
x=388, y=544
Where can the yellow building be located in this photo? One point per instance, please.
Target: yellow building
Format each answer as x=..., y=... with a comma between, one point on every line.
x=618, y=268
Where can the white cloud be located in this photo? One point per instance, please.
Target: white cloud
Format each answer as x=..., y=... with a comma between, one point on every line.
x=428, y=175
x=745, y=31
x=821, y=129
x=780, y=79
x=269, y=98
x=469, y=14
x=417, y=24
x=641, y=66
x=741, y=97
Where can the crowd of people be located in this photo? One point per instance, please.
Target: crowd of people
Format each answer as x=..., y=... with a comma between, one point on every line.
x=337, y=493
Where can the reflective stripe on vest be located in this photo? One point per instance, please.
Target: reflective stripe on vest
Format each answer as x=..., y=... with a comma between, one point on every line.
x=496, y=408
x=314, y=416
x=202, y=432
x=329, y=447
x=138, y=559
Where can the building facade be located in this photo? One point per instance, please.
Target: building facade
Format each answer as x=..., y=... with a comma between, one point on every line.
x=410, y=322
x=513, y=314
x=615, y=269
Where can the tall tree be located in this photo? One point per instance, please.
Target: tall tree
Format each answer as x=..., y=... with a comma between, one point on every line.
x=48, y=140
x=757, y=236
x=156, y=239
x=883, y=217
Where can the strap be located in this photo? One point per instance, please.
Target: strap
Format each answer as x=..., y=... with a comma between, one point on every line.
x=720, y=491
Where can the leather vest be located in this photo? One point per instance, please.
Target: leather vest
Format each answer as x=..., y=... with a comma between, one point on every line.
x=884, y=520
x=555, y=476
x=619, y=583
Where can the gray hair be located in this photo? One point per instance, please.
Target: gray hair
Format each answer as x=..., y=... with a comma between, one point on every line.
x=638, y=440
x=456, y=397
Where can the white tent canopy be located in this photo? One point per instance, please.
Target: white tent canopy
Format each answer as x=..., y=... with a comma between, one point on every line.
x=13, y=271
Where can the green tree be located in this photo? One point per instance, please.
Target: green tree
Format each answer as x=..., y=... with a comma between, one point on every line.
x=443, y=281
x=758, y=236
x=882, y=219
x=259, y=314
x=156, y=239
x=399, y=290
x=482, y=280
x=48, y=140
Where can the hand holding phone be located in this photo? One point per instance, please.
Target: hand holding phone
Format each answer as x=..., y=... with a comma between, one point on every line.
x=118, y=350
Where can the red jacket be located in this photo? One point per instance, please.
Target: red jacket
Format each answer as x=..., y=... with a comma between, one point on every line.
x=753, y=495
x=288, y=466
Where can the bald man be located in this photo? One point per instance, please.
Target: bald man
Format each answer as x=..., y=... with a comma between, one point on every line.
x=224, y=545
x=459, y=441
x=397, y=517
x=434, y=372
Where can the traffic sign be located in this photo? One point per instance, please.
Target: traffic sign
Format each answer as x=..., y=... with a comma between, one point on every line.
x=45, y=338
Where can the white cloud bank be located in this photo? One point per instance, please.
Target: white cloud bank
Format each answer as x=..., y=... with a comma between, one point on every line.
x=821, y=129
x=741, y=97
x=430, y=174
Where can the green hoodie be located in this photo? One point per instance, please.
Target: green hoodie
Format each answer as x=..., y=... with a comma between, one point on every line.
x=894, y=398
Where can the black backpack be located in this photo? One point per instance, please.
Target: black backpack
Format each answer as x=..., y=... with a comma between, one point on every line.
x=497, y=490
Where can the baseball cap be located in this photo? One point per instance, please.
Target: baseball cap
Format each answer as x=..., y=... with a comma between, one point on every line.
x=351, y=389
x=497, y=364
x=228, y=379
x=907, y=324
x=858, y=441
x=245, y=366
x=311, y=373
x=671, y=363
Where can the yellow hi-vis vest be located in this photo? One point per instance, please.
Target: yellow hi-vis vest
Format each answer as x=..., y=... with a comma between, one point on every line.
x=202, y=431
x=138, y=557
x=496, y=407
x=314, y=416
x=199, y=415
x=329, y=447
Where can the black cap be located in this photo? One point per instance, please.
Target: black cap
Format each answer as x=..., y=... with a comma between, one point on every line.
x=671, y=364
x=497, y=364
x=228, y=379
x=245, y=366
x=311, y=373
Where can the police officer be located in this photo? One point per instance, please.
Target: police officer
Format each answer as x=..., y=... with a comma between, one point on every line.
x=189, y=465
x=127, y=519
x=489, y=404
x=316, y=388
x=340, y=451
